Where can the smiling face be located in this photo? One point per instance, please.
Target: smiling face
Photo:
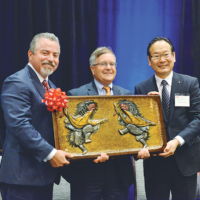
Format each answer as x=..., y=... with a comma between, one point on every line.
x=104, y=74
x=162, y=66
x=45, y=60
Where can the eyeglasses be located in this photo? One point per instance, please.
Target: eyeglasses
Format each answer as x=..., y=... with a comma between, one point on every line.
x=158, y=56
x=103, y=64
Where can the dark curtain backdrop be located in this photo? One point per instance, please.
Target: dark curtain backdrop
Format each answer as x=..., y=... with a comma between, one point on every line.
x=127, y=26
x=74, y=22
x=83, y=25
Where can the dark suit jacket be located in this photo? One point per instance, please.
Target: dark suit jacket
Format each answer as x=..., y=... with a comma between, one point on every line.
x=82, y=170
x=29, y=133
x=183, y=121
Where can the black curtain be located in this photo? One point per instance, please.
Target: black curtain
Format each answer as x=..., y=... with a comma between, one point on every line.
x=74, y=22
x=190, y=39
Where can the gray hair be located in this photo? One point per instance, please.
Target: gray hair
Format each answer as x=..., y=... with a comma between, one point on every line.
x=36, y=38
x=98, y=52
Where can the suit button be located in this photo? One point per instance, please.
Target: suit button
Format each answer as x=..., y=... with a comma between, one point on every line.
x=169, y=128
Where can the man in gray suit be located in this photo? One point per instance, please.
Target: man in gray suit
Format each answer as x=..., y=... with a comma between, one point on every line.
x=111, y=178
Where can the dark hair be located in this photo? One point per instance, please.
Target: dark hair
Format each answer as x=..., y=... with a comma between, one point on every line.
x=159, y=39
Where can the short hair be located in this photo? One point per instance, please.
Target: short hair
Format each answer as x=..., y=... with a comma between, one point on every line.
x=36, y=38
x=98, y=52
x=159, y=39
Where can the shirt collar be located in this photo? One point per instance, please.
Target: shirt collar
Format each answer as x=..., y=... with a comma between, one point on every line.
x=168, y=79
x=100, y=86
x=38, y=75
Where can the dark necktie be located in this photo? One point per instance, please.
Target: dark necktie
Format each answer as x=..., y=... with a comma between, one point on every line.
x=107, y=90
x=45, y=84
x=165, y=99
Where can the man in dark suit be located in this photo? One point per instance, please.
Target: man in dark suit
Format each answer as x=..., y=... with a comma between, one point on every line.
x=30, y=161
x=176, y=168
x=109, y=179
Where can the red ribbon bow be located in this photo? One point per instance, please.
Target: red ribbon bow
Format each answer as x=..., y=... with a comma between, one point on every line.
x=55, y=99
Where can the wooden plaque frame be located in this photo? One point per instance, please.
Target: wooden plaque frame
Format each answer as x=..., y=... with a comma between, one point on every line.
x=111, y=129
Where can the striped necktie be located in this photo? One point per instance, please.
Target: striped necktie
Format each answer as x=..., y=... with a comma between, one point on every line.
x=165, y=99
x=45, y=84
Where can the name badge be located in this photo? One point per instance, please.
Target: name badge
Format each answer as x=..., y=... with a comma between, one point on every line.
x=182, y=100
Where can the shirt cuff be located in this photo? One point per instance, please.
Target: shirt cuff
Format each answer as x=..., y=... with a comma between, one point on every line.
x=51, y=155
x=181, y=140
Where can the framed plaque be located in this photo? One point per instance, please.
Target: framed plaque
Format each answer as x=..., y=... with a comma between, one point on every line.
x=116, y=125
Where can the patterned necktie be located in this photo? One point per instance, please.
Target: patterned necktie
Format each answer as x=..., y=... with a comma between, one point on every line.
x=165, y=99
x=45, y=84
x=107, y=90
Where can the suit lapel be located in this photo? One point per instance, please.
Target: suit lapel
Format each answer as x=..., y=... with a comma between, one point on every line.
x=177, y=83
x=116, y=90
x=152, y=86
x=35, y=80
x=51, y=85
x=92, y=89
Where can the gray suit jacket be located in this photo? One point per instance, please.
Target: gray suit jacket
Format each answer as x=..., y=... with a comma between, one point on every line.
x=79, y=171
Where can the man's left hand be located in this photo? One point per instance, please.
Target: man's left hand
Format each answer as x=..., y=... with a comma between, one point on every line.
x=102, y=158
x=143, y=154
x=170, y=148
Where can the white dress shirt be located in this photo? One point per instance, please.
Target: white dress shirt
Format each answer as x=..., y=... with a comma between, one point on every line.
x=53, y=152
x=100, y=86
x=168, y=86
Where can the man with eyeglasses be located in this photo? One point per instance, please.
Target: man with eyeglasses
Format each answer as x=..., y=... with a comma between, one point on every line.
x=176, y=168
x=110, y=178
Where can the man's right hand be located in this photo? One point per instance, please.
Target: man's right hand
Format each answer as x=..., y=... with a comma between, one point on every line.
x=102, y=158
x=153, y=93
x=59, y=159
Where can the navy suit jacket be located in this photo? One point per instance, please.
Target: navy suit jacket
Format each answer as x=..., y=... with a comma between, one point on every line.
x=29, y=131
x=183, y=121
x=80, y=171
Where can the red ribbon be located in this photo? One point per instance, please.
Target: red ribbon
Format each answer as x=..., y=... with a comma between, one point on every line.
x=55, y=99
